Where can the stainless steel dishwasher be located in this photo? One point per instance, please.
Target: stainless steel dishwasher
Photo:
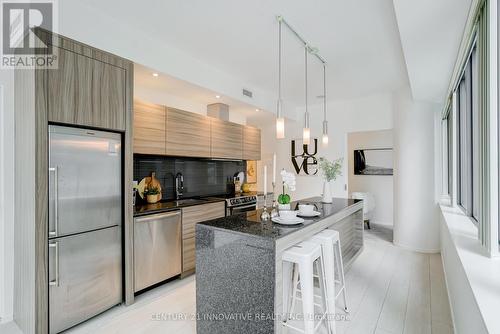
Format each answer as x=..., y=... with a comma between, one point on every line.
x=157, y=248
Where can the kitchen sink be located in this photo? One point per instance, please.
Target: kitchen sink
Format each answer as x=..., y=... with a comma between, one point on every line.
x=188, y=201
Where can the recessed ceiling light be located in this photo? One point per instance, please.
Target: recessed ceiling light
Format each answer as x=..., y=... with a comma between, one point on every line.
x=257, y=109
x=217, y=96
x=155, y=74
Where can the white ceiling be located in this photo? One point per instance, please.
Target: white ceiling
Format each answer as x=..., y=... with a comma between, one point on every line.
x=358, y=38
x=431, y=31
x=143, y=77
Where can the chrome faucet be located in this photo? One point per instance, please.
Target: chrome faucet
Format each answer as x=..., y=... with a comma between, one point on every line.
x=179, y=185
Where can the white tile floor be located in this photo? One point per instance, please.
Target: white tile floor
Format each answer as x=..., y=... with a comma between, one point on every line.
x=390, y=291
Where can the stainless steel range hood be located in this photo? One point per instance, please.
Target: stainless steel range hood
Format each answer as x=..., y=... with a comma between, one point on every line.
x=218, y=110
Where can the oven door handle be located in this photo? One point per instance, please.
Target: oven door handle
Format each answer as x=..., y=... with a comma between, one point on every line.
x=244, y=207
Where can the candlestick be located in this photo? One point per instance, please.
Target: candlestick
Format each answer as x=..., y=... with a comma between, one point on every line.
x=274, y=168
x=265, y=180
x=274, y=210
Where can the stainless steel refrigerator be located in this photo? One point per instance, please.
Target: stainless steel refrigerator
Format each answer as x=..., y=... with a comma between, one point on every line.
x=85, y=215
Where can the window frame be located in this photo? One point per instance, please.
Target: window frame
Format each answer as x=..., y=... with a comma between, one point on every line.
x=467, y=138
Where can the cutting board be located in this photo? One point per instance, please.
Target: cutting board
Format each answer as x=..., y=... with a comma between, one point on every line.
x=148, y=182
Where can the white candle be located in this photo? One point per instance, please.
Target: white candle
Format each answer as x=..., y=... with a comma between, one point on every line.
x=265, y=179
x=274, y=168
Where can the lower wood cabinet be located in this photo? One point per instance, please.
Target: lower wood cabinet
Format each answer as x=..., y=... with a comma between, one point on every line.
x=190, y=217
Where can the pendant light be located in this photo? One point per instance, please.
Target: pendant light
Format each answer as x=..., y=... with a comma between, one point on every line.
x=325, y=122
x=306, y=133
x=280, y=120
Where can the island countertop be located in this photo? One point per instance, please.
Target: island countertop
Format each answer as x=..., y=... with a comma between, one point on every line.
x=239, y=268
x=250, y=223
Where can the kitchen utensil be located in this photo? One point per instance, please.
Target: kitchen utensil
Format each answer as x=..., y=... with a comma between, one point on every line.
x=288, y=214
x=306, y=209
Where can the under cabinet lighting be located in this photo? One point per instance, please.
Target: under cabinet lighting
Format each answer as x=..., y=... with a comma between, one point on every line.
x=217, y=96
x=155, y=74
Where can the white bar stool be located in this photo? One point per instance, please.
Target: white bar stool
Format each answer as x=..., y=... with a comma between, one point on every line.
x=339, y=265
x=301, y=259
x=327, y=240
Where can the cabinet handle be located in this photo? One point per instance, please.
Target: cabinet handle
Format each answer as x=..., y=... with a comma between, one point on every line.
x=55, y=281
x=56, y=201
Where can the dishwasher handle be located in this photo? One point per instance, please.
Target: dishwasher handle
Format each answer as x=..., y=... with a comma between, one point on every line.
x=157, y=216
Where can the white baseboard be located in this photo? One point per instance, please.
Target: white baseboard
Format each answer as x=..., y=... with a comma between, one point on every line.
x=6, y=319
x=420, y=250
x=376, y=222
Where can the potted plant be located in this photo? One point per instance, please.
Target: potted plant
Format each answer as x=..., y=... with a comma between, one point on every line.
x=152, y=194
x=288, y=181
x=330, y=170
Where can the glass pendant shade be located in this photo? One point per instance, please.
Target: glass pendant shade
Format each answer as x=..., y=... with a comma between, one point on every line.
x=280, y=128
x=280, y=122
x=325, y=139
x=325, y=133
x=306, y=136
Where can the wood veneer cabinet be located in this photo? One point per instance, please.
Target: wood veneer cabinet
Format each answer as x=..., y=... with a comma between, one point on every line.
x=251, y=143
x=226, y=140
x=86, y=91
x=190, y=217
x=90, y=88
x=161, y=130
x=188, y=134
x=149, y=128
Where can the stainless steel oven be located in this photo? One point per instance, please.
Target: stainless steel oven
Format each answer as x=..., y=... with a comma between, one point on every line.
x=240, y=204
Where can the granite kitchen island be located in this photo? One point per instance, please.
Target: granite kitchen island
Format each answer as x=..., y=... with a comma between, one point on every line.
x=238, y=264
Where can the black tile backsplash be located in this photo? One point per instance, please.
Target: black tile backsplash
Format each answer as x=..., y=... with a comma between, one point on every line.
x=202, y=177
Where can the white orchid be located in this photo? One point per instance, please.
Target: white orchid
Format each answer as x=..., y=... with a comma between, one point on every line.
x=288, y=180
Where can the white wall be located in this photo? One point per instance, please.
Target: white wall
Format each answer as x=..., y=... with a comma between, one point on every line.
x=380, y=186
x=415, y=209
x=364, y=114
x=466, y=314
x=6, y=196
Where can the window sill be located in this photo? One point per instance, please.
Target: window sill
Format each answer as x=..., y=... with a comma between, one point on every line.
x=482, y=271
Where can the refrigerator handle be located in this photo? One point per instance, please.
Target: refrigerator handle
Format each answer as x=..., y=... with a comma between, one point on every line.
x=56, y=201
x=55, y=245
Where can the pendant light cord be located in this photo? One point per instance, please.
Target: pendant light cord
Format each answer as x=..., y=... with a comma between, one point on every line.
x=324, y=91
x=307, y=111
x=279, y=64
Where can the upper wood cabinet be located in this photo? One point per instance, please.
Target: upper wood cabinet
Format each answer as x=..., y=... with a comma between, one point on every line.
x=167, y=131
x=149, y=128
x=86, y=91
x=188, y=134
x=251, y=143
x=226, y=139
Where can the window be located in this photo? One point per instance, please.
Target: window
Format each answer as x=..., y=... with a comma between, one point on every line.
x=447, y=138
x=468, y=138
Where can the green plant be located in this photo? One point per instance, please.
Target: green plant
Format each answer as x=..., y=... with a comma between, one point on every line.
x=330, y=169
x=151, y=191
x=288, y=180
